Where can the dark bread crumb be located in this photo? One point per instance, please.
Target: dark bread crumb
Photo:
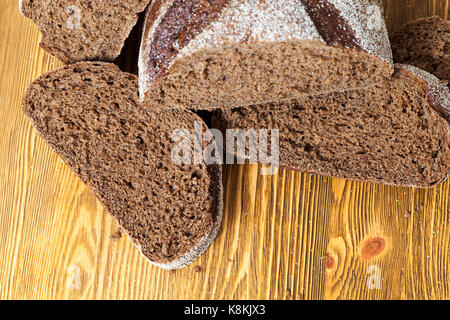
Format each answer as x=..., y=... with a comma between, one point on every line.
x=387, y=134
x=424, y=43
x=90, y=115
x=99, y=34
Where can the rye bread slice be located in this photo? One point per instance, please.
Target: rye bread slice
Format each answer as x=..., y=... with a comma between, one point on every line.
x=392, y=134
x=424, y=43
x=204, y=55
x=83, y=30
x=90, y=115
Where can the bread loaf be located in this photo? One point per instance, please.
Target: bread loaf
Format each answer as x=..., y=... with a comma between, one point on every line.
x=90, y=115
x=229, y=53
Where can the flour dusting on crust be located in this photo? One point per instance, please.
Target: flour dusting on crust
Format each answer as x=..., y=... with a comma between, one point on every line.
x=367, y=20
x=254, y=21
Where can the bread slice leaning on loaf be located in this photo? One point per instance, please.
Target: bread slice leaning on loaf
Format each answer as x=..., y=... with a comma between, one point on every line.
x=90, y=115
x=424, y=43
x=83, y=30
x=233, y=53
x=396, y=133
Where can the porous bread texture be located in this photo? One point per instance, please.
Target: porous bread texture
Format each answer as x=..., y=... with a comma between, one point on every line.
x=262, y=73
x=97, y=35
x=424, y=43
x=253, y=52
x=90, y=115
x=388, y=134
x=438, y=91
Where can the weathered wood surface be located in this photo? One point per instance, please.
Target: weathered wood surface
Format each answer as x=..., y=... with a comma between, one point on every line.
x=290, y=236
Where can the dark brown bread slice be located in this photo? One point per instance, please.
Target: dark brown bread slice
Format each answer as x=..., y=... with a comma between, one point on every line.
x=388, y=134
x=98, y=34
x=424, y=43
x=89, y=114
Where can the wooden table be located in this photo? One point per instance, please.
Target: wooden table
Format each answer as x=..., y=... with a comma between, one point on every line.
x=290, y=236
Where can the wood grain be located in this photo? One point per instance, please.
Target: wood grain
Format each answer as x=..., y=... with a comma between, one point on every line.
x=290, y=236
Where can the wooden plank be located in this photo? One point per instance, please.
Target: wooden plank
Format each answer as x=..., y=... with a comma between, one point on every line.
x=398, y=235
x=399, y=12
x=287, y=236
